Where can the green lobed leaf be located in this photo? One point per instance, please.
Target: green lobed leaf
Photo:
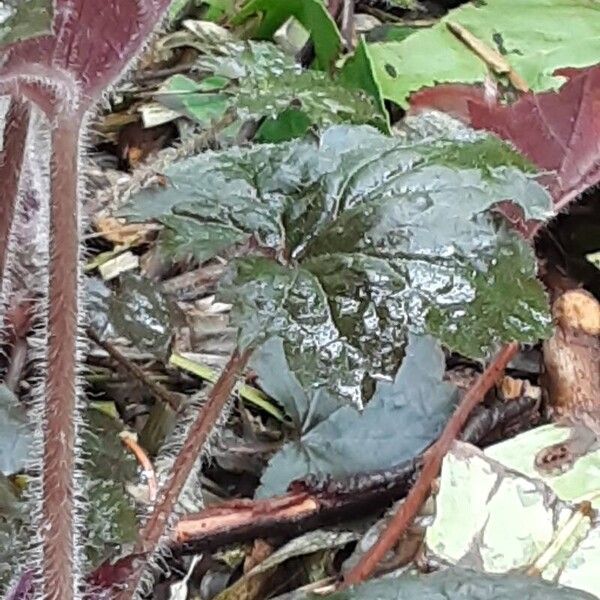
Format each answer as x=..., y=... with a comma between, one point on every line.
x=306, y=407
x=459, y=584
x=312, y=14
x=537, y=39
x=377, y=236
x=23, y=19
x=259, y=80
x=401, y=420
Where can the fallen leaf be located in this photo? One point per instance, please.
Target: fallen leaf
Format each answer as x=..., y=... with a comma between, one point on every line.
x=558, y=131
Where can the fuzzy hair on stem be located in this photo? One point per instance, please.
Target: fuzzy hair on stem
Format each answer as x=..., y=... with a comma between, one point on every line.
x=198, y=436
x=11, y=166
x=65, y=74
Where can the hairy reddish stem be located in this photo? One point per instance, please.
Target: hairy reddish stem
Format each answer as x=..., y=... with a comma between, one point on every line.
x=155, y=527
x=59, y=574
x=431, y=468
x=11, y=163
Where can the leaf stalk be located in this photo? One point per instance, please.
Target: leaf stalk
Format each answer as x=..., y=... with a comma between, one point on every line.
x=409, y=509
x=59, y=579
x=155, y=527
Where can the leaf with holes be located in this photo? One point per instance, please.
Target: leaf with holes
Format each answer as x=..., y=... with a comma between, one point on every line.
x=536, y=40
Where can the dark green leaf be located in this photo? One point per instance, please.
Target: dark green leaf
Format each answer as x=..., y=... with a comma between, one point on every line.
x=401, y=420
x=13, y=537
x=288, y=125
x=16, y=434
x=110, y=512
x=459, y=584
x=390, y=33
x=138, y=311
x=312, y=14
x=111, y=520
x=376, y=236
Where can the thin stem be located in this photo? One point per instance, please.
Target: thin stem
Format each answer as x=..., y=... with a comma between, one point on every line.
x=158, y=391
x=11, y=164
x=431, y=468
x=59, y=578
x=156, y=525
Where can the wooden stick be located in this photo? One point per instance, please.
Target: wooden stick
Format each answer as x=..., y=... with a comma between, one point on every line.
x=158, y=391
x=491, y=57
x=433, y=461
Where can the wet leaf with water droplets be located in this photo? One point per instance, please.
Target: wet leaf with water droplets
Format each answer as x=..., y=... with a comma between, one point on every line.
x=379, y=236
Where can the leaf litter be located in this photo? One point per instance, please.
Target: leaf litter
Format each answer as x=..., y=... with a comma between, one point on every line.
x=358, y=264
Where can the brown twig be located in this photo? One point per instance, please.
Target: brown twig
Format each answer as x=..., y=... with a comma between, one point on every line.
x=346, y=21
x=157, y=390
x=491, y=57
x=155, y=527
x=145, y=463
x=433, y=461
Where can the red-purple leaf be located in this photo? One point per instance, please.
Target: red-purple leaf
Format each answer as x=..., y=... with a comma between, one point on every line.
x=558, y=131
x=92, y=44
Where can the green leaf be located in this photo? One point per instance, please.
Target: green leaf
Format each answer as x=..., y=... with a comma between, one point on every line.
x=16, y=434
x=137, y=310
x=401, y=420
x=13, y=536
x=111, y=520
x=312, y=14
x=376, y=236
x=259, y=80
x=358, y=73
x=305, y=408
x=286, y=126
x=459, y=584
x=195, y=100
x=390, y=32
x=23, y=19
x=539, y=38
x=217, y=9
